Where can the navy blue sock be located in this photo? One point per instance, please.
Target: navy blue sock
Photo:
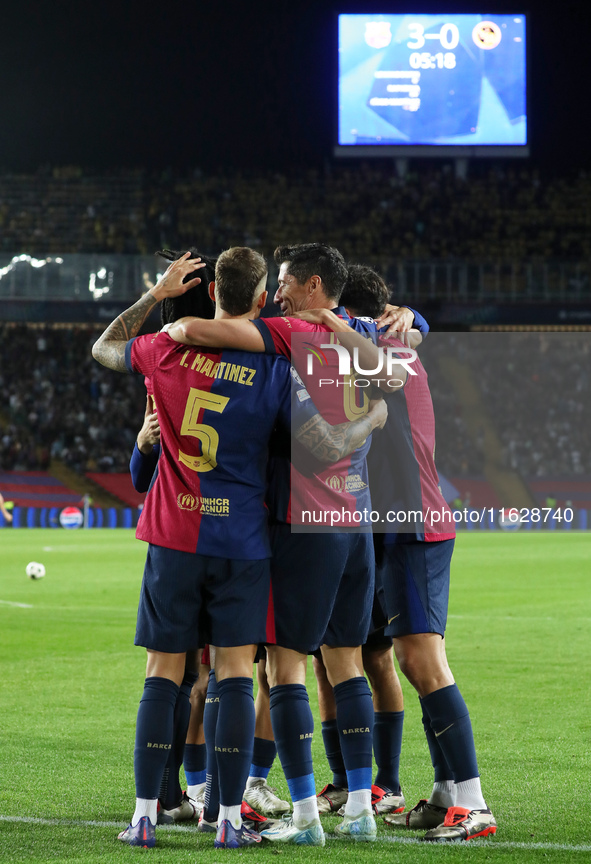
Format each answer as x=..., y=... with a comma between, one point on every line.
x=153, y=735
x=441, y=769
x=387, y=744
x=332, y=748
x=355, y=723
x=293, y=726
x=450, y=721
x=195, y=763
x=263, y=756
x=170, y=788
x=210, y=721
x=234, y=738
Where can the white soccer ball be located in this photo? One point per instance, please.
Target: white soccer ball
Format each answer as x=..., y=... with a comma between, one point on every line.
x=34, y=570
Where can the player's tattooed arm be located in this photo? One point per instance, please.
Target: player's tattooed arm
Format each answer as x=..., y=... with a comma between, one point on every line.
x=330, y=443
x=109, y=349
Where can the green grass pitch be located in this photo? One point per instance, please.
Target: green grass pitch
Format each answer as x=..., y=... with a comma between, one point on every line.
x=70, y=681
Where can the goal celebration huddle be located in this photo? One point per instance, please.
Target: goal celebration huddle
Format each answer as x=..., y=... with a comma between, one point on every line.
x=239, y=440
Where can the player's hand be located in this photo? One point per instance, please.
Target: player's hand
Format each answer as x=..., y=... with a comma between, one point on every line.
x=171, y=283
x=322, y=316
x=397, y=319
x=149, y=434
x=378, y=412
x=312, y=316
x=411, y=339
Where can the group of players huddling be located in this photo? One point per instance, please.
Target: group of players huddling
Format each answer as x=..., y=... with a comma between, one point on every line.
x=247, y=443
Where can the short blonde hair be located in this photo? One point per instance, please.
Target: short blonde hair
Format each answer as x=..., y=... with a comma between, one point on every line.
x=238, y=273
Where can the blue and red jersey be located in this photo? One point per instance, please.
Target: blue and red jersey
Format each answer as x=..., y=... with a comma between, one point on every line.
x=316, y=487
x=402, y=469
x=216, y=410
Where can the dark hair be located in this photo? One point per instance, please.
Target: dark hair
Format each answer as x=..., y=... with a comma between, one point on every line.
x=365, y=291
x=238, y=271
x=196, y=301
x=315, y=259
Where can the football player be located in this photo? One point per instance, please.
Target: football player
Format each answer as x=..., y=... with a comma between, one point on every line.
x=412, y=576
x=322, y=583
x=205, y=521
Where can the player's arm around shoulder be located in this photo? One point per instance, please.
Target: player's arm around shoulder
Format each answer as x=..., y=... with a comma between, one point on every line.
x=239, y=333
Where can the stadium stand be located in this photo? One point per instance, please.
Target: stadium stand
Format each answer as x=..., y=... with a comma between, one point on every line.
x=367, y=211
x=475, y=492
x=36, y=489
x=565, y=490
x=120, y=486
x=59, y=406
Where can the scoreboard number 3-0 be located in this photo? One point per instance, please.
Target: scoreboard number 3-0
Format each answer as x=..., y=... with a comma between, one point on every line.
x=448, y=36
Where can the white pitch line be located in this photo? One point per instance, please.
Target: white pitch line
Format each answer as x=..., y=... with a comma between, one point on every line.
x=518, y=619
x=502, y=844
x=18, y=605
x=488, y=844
x=411, y=841
x=82, y=823
x=42, y=607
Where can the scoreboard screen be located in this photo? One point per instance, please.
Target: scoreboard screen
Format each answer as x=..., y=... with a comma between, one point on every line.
x=451, y=81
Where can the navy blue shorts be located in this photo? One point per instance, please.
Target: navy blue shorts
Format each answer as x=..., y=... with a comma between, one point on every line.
x=412, y=582
x=186, y=599
x=323, y=586
x=377, y=639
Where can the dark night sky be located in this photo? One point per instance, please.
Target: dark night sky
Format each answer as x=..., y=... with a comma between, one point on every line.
x=242, y=83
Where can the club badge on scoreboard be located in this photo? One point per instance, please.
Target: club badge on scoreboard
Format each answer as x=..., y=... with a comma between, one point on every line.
x=486, y=35
x=378, y=34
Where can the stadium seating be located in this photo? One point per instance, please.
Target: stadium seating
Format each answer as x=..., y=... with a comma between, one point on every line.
x=367, y=211
x=36, y=489
x=567, y=491
x=120, y=486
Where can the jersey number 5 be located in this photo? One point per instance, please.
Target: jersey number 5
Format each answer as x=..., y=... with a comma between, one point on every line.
x=207, y=435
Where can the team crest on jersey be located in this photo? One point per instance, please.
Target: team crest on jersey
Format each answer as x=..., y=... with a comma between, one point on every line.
x=355, y=483
x=378, y=34
x=336, y=483
x=187, y=502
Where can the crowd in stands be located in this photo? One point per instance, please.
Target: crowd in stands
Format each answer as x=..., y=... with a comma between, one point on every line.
x=57, y=211
x=533, y=390
x=57, y=402
x=456, y=453
x=536, y=388
x=366, y=210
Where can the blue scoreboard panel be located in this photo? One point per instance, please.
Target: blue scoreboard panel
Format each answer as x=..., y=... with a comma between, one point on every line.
x=431, y=81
